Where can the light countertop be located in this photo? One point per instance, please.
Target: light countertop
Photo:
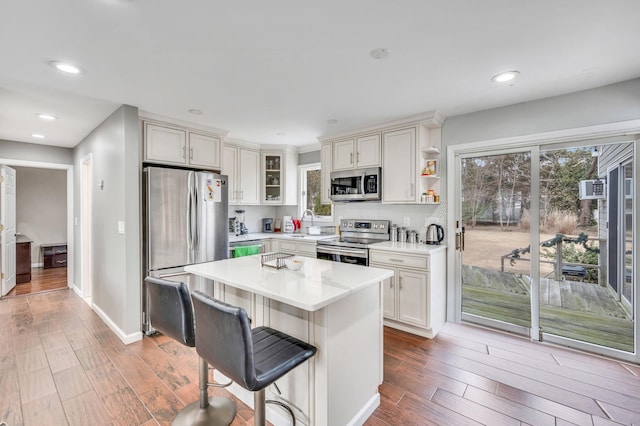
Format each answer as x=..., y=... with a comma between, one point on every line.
x=415, y=248
x=280, y=236
x=318, y=284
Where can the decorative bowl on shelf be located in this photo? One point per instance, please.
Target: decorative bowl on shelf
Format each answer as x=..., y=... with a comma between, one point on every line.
x=294, y=263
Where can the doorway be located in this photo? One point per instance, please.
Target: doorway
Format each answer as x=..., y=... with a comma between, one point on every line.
x=43, y=279
x=549, y=243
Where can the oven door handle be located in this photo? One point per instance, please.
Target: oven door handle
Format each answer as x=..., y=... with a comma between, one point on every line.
x=341, y=251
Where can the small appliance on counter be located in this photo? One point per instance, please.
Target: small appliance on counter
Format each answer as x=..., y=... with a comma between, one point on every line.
x=435, y=234
x=287, y=225
x=267, y=224
x=239, y=226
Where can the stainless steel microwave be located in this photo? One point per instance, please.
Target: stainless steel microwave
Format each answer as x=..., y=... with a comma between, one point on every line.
x=357, y=185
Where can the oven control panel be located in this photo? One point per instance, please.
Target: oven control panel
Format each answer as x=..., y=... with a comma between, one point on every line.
x=364, y=226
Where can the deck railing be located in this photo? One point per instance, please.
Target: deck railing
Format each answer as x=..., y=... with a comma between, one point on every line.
x=575, y=269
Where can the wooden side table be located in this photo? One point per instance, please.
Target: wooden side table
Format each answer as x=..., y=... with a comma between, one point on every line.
x=54, y=255
x=23, y=259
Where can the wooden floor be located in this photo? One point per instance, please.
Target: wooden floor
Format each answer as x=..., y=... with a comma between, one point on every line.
x=41, y=280
x=60, y=364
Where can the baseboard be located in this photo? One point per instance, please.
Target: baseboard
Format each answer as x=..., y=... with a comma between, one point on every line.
x=77, y=290
x=37, y=265
x=125, y=338
x=366, y=411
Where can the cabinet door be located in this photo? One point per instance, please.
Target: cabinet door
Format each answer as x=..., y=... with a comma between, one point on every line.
x=368, y=151
x=399, y=163
x=273, y=178
x=307, y=249
x=204, y=150
x=249, y=176
x=325, y=173
x=230, y=168
x=389, y=298
x=343, y=155
x=165, y=144
x=412, y=297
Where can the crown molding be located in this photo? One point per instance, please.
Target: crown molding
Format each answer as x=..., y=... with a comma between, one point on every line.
x=161, y=119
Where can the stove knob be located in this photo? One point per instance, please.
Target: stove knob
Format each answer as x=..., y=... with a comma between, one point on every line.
x=382, y=226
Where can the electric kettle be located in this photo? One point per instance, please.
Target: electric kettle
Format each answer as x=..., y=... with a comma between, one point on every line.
x=435, y=234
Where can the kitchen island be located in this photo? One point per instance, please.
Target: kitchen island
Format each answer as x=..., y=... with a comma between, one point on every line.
x=337, y=307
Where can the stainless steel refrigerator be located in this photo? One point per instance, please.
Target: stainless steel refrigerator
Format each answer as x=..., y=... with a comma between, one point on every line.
x=185, y=222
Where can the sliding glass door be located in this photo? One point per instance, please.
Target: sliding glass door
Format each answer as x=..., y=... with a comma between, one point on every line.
x=549, y=243
x=495, y=196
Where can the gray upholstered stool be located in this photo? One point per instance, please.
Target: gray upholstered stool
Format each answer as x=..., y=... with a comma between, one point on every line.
x=171, y=313
x=254, y=359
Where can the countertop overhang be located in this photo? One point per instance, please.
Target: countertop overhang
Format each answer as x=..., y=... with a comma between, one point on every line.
x=318, y=284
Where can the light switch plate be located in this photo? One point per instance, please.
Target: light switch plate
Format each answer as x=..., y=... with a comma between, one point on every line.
x=407, y=221
x=120, y=227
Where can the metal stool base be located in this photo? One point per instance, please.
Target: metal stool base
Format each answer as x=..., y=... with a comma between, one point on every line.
x=220, y=412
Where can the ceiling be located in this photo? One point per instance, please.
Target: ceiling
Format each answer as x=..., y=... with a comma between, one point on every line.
x=276, y=71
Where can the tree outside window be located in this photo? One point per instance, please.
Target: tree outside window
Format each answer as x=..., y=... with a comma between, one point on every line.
x=310, y=179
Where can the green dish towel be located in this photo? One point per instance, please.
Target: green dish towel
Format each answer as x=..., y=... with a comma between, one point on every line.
x=246, y=251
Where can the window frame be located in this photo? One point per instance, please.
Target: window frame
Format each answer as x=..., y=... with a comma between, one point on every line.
x=302, y=200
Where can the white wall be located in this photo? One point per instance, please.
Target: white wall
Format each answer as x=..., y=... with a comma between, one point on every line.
x=115, y=148
x=35, y=152
x=41, y=206
x=609, y=104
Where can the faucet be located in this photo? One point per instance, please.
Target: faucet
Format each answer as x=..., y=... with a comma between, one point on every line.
x=312, y=215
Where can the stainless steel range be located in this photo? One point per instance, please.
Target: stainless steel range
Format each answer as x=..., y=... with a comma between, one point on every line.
x=353, y=245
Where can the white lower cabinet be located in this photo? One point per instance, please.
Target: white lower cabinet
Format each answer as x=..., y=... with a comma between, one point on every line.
x=414, y=299
x=297, y=248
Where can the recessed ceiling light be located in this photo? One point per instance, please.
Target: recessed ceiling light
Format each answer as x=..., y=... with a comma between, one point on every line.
x=332, y=121
x=281, y=134
x=37, y=136
x=47, y=117
x=380, y=53
x=66, y=67
x=195, y=111
x=503, y=77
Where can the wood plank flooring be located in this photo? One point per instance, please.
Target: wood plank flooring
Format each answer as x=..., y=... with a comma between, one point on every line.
x=41, y=280
x=61, y=365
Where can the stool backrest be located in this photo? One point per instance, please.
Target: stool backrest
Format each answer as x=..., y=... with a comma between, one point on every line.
x=224, y=339
x=170, y=309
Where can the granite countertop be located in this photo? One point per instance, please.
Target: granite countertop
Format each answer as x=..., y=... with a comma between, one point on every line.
x=318, y=284
x=416, y=248
x=280, y=236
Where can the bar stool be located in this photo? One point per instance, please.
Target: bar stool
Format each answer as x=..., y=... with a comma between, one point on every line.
x=252, y=358
x=171, y=313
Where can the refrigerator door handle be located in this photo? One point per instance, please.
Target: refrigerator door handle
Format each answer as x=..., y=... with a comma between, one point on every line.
x=194, y=218
x=189, y=214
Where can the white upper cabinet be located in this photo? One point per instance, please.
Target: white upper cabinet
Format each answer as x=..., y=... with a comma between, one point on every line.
x=399, y=166
x=242, y=169
x=368, y=151
x=343, y=155
x=204, y=150
x=172, y=145
x=279, y=177
x=165, y=144
x=361, y=151
x=325, y=173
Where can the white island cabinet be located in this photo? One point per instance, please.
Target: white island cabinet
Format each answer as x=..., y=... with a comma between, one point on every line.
x=337, y=307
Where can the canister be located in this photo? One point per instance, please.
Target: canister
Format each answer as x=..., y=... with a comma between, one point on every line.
x=402, y=235
x=394, y=233
x=412, y=237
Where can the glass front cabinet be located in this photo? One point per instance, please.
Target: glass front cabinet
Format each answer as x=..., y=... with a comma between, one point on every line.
x=273, y=178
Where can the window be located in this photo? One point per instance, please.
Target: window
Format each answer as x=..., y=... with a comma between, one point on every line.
x=310, y=187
